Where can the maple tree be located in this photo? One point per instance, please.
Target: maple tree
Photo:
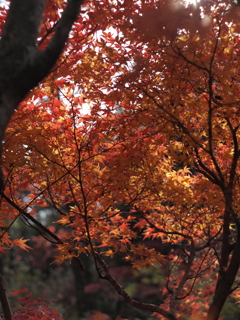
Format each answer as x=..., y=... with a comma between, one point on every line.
x=153, y=161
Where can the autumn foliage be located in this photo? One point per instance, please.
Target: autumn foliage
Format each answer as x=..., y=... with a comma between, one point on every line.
x=33, y=309
x=133, y=139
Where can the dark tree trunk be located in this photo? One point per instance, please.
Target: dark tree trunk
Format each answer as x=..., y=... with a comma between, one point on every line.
x=229, y=261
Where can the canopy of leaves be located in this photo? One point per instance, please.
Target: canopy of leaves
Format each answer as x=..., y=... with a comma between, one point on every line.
x=134, y=140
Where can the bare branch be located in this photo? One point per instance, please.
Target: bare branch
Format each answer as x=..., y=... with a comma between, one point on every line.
x=4, y=301
x=105, y=274
x=49, y=56
x=41, y=226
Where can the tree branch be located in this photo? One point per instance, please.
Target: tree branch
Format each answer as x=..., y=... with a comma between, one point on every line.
x=105, y=274
x=41, y=226
x=58, y=41
x=4, y=301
